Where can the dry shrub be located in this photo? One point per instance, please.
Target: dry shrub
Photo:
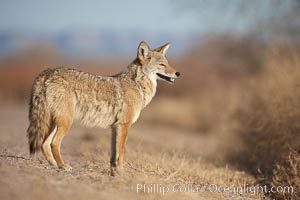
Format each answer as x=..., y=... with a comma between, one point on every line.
x=287, y=173
x=269, y=121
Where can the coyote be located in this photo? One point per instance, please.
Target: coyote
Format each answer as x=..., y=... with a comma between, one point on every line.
x=60, y=95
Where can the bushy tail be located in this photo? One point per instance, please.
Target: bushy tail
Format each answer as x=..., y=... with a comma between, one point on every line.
x=39, y=115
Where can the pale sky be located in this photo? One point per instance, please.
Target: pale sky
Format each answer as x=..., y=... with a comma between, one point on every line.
x=158, y=16
x=59, y=15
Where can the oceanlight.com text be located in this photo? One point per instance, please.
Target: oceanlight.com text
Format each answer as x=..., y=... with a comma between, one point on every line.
x=232, y=190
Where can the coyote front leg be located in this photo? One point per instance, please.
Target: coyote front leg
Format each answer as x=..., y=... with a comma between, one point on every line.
x=118, y=141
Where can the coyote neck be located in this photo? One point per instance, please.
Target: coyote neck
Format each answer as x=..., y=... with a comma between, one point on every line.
x=146, y=85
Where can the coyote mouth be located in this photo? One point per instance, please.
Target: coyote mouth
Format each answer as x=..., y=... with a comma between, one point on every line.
x=166, y=78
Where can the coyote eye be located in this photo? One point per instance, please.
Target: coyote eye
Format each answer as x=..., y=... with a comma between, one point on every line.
x=162, y=65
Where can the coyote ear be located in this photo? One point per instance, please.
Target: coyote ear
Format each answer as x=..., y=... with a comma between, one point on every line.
x=163, y=49
x=143, y=51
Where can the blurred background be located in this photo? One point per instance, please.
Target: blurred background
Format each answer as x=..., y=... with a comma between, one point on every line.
x=240, y=65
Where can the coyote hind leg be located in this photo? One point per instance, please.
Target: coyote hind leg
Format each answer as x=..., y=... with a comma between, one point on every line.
x=46, y=148
x=63, y=126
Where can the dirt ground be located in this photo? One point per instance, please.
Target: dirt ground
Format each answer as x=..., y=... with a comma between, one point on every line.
x=160, y=162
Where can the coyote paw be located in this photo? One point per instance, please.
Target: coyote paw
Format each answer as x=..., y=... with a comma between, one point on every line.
x=67, y=167
x=53, y=163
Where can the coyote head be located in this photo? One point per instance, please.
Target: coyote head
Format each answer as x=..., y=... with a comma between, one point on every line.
x=155, y=64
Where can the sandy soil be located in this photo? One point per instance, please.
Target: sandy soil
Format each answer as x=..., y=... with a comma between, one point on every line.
x=154, y=155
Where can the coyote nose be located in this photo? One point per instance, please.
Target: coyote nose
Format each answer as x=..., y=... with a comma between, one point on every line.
x=177, y=74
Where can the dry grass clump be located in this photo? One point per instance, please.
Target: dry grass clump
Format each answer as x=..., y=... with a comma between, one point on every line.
x=269, y=122
x=287, y=173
